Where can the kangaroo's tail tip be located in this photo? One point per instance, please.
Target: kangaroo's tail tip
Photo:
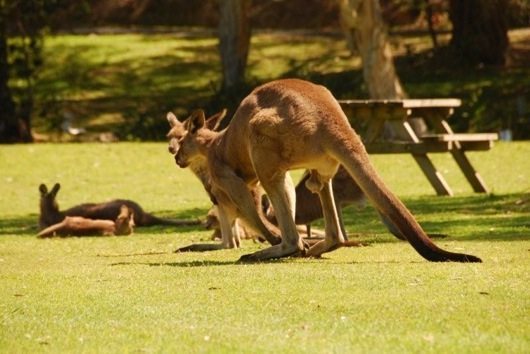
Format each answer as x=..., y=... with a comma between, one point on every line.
x=461, y=258
x=472, y=259
x=453, y=257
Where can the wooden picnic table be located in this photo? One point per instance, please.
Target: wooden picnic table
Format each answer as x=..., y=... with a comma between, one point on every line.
x=373, y=118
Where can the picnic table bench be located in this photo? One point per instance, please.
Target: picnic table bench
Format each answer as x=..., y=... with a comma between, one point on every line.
x=370, y=117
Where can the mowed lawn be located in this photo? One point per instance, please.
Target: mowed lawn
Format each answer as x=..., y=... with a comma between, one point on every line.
x=134, y=294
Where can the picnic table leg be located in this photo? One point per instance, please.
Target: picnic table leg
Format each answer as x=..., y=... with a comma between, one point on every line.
x=472, y=176
x=403, y=130
x=433, y=175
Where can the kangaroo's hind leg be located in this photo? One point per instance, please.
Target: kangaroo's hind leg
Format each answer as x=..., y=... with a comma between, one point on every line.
x=321, y=184
x=280, y=191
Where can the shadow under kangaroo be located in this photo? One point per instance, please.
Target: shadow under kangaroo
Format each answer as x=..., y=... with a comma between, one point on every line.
x=109, y=211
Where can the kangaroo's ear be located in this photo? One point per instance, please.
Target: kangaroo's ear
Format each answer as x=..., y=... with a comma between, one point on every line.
x=172, y=119
x=55, y=189
x=213, y=122
x=196, y=121
x=43, y=189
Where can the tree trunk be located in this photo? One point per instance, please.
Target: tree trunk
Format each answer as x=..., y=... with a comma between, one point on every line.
x=234, y=41
x=365, y=31
x=12, y=129
x=480, y=31
x=7, y=107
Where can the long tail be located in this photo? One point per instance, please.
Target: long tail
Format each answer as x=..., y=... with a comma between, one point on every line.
x=353, y=156
x=149, y=220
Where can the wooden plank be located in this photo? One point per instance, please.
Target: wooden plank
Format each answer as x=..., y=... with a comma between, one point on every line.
x=476, y=145
x=472, y=176
x=402, y=147
x=432, y=103
x=433, y=175
x=406, y=103
x=405, y=131
x=461, y=137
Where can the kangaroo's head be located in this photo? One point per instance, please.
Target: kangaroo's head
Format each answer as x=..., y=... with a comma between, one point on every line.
x=125, y=221
x=49, y=209
x=212, y=219
x=182, y=137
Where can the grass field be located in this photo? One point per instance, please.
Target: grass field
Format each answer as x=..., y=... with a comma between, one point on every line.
x=133, y=294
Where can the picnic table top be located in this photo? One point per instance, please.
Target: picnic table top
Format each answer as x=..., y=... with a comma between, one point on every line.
x=406, y=103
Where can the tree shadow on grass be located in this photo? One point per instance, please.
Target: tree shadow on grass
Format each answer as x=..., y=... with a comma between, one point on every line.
x=466, y=218
x=19, y=226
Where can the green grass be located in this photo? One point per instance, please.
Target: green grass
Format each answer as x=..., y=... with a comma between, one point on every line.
x=133, y=294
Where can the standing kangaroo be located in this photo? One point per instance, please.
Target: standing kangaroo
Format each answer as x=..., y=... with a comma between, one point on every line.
x=284, y=125
x=231, y=237
x=50, y=214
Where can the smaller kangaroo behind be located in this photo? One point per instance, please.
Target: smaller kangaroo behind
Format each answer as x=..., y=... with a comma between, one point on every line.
x=80, y=226
x=50, y=214
x=212, y=223
x=345, y=191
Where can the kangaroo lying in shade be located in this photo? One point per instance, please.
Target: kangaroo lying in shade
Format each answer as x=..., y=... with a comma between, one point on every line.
x=80, y=226
x=284, y=125
x=50, y=214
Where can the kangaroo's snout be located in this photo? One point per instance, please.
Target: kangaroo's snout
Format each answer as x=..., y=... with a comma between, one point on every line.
x=180, y=162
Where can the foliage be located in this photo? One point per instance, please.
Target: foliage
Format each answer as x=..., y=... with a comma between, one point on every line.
x=126, y=83
x=126, y=294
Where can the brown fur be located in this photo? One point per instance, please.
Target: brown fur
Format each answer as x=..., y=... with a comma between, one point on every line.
x=290, y=124
x=212, y=223
x=232, y=236
x=80, y=226
x=50, y=214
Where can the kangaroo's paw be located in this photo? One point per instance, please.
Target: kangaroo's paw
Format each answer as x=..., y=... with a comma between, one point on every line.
x=351, y=243
x=274, y=252
x=200, y=247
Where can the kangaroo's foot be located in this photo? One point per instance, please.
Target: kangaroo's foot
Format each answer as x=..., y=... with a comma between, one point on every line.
x=276, y=251
x=327, y=245
x=200, y=247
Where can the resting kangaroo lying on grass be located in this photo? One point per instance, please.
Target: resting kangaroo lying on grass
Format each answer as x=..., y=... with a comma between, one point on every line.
x=290, y=124
x=50, y=214
x=80, y=226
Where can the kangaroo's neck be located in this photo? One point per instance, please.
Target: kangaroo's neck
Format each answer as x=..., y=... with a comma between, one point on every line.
x=50, y=214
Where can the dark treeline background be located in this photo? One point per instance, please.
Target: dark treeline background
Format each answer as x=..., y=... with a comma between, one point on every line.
x=25, y=24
